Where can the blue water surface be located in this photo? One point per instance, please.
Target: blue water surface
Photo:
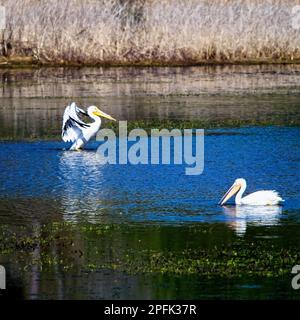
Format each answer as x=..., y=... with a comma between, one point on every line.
x=81, y=187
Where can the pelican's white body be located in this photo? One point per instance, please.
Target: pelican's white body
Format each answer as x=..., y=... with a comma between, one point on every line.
x=87, y=134
x=259, y=198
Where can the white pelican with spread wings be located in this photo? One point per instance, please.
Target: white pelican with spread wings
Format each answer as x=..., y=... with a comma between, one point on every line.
x=75, y=130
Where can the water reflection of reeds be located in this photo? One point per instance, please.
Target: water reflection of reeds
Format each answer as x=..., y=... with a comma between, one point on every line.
x=33, y=101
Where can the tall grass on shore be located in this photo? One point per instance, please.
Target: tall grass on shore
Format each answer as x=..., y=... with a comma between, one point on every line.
x=151, y=31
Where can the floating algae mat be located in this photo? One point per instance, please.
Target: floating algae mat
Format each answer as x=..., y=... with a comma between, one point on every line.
x=137, y=249
x=143, y=252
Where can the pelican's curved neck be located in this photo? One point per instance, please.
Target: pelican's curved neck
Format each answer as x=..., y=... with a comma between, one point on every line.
x=238, y=197
x=95, y=118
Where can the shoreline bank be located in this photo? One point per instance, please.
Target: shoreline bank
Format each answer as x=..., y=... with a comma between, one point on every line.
x=19, y=62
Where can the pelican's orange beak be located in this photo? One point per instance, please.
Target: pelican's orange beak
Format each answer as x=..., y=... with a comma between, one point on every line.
x=231, y=192
x=100, y=113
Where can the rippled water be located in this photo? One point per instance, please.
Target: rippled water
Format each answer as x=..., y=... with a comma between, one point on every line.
x=115, y=211
x=82, y=187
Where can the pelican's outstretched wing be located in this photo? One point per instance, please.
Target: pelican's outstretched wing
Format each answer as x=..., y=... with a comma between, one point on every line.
x=72, y=124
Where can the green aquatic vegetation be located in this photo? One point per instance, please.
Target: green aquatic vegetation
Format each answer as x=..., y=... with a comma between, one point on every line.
x=150, y=124
x=128, y=249
x=200, y=124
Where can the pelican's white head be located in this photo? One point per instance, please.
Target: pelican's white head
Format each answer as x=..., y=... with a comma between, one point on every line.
x=238, y=184
x=240, y=181
x=95, y=111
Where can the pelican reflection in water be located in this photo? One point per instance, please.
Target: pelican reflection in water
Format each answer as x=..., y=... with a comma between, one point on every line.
x=241, y=216
x=82, y=177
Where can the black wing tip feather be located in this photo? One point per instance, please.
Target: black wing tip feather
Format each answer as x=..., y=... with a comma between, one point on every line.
x=70, y=123
x=83, y=112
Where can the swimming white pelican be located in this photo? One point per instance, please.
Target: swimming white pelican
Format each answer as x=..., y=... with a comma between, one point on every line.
x=75, y=130
x=258, y=198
